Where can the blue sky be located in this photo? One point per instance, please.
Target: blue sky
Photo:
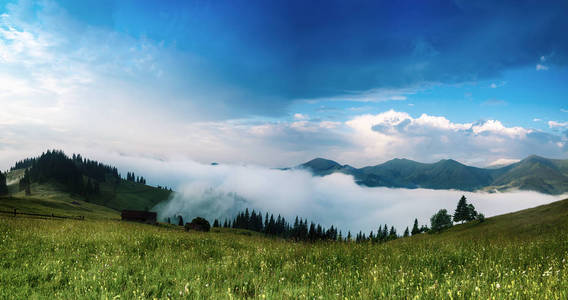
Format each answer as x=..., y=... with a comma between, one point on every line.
x=276, y=83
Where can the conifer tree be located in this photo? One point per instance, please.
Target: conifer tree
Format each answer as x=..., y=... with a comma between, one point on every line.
x=415, y=229
x=462, y=212
x=406, y=232
x=471, y=213
x=392, y=233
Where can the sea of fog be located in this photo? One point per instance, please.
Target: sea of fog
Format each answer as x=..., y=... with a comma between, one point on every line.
x=223, y=190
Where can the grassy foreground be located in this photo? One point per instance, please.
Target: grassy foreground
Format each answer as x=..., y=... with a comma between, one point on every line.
x=522, y=255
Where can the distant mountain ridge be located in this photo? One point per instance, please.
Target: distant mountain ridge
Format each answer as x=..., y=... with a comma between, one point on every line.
x=534, y=173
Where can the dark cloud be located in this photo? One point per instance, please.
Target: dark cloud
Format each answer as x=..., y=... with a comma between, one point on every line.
x=239, y=58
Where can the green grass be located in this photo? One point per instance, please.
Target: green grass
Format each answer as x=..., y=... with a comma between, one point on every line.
x=48, y=199
x=519, y=256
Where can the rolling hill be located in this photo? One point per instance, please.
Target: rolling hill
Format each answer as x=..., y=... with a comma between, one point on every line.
x=51, y=190
x=533, y=173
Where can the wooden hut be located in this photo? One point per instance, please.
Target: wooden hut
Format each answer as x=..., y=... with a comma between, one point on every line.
x=147, y=217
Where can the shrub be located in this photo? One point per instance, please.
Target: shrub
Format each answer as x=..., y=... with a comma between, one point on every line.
x=199, y=224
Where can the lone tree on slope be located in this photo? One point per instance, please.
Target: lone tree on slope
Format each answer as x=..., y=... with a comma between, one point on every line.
x=462, y=210
x=465, y=212
x=441, y=220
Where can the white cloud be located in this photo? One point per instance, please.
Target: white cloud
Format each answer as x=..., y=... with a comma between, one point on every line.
x=555, y=124
x=540, y=67
x=503, y=162
x=564, y=110
x=429, y=138
x=299, y=116
x=329, y=124
x=537, y=120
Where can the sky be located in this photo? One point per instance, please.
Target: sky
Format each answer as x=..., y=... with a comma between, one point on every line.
x=277, y=83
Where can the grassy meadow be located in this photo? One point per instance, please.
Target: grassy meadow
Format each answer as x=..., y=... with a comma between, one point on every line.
x=522, y=255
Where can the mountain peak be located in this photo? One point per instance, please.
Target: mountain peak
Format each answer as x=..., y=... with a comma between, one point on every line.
x=534, y=157
x=321, y=164
x=449, y=162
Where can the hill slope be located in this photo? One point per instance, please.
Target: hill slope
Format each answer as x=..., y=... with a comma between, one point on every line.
x=55, y=178
x=534, y=173
x=521, y=255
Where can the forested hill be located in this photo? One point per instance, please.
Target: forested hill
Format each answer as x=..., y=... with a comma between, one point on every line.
x=83, y=179
x=533, y=173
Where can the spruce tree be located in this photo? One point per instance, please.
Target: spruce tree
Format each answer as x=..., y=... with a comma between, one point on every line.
x=471, y=213
x=415, y=229
x=392, y=233
x=406, y=232
x=462, y=212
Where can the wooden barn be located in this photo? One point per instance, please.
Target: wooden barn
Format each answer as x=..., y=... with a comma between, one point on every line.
x=147, y=217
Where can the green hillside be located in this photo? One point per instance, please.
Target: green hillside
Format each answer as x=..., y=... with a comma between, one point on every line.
x=521, y=255
x=130, y=195
x=51, y=198
x=48, y=199
x=535, y=173
x=60, y=184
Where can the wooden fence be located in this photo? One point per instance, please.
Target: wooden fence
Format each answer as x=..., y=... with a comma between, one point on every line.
x=15, y=213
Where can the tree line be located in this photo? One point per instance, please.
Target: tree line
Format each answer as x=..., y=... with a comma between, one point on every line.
x=301, y=231
x=133, y=178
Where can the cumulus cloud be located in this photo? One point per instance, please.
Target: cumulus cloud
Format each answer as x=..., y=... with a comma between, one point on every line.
x=221, y=191
x=429, y=138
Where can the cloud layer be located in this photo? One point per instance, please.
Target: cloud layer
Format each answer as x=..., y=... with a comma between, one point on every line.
x=223, y=190
x=360, y=141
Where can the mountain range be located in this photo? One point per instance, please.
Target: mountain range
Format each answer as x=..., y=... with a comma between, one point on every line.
x=534, y=173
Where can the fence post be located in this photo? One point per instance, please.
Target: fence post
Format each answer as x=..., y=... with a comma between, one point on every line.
x=15, y=211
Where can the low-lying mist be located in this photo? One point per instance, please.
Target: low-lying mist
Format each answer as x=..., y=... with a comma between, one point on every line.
x=223, y=190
